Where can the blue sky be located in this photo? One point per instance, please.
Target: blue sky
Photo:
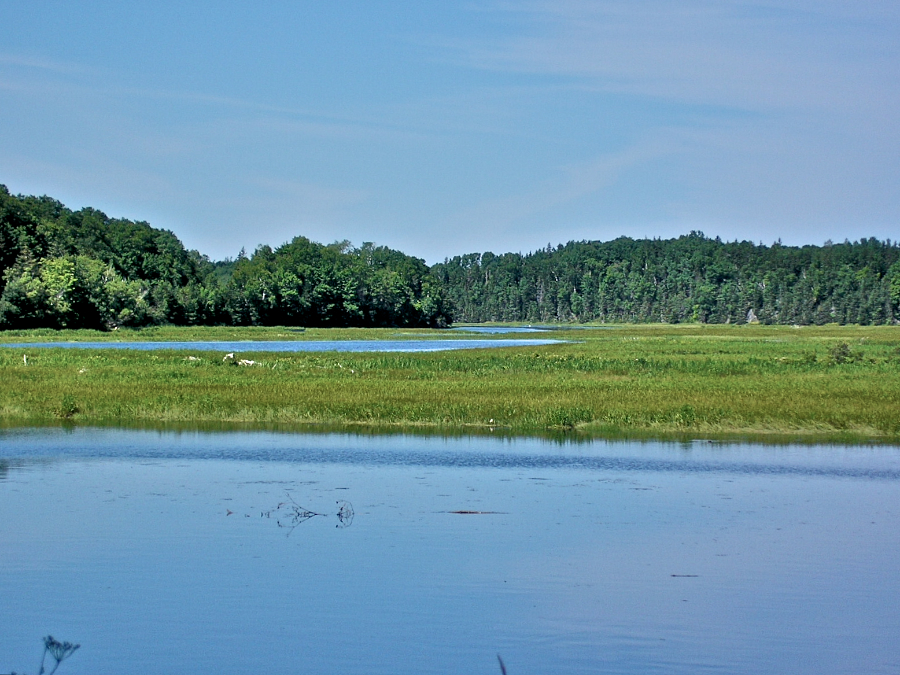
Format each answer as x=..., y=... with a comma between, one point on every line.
x=447, y=128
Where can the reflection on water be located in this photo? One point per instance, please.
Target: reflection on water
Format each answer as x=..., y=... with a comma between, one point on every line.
x=166, y=553
x=501, y=330
x=697, y=456
x=290, y=514
x=295, y=346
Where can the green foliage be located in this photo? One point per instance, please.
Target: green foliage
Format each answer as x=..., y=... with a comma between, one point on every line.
x=71, y=292
x=689, y=279
x=65, y=269
x=894, y=277
x=568, y=417
x=309, y=284
x=68, y=407
x=842, y=353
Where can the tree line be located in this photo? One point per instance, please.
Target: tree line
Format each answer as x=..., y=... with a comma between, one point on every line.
x=689, y=279
x=81, y=269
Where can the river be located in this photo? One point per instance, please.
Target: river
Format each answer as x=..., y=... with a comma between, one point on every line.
x=163, y=552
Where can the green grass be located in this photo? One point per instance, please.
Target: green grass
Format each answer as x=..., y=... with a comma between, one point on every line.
x=831, y=382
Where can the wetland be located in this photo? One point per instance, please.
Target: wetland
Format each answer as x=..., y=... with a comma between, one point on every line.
x=832, y=383
x=621, y=499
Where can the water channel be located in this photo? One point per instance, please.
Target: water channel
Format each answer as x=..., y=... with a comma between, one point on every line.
x=295, y=345
x=163, y=552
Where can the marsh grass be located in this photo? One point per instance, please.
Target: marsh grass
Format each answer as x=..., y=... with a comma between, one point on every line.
x=694, y=381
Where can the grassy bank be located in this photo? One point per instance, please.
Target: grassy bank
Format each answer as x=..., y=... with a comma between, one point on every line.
x=703, y=381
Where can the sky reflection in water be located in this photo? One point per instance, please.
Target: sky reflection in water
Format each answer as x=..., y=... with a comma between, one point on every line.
x=168, y=552
x=296, y=345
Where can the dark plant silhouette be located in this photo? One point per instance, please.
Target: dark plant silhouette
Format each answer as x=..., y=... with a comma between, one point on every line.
x=58, y=651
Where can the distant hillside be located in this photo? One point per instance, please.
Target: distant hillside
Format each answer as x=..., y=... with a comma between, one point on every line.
x=692, y=278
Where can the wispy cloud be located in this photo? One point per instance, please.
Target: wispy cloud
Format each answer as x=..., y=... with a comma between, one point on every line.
x=311, y=200
x=81, y=83
x=38, y=63
x=571, y=182
x=735, y=53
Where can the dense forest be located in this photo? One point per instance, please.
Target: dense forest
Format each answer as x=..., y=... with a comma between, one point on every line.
x=81, y=269
x=692, y=278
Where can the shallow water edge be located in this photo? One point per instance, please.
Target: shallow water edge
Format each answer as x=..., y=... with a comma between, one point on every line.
x=560, y=436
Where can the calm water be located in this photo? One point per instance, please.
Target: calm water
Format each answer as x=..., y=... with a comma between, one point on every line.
x=499, y=330
x=296, y=346
x=526, y=329
x=191, y=552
